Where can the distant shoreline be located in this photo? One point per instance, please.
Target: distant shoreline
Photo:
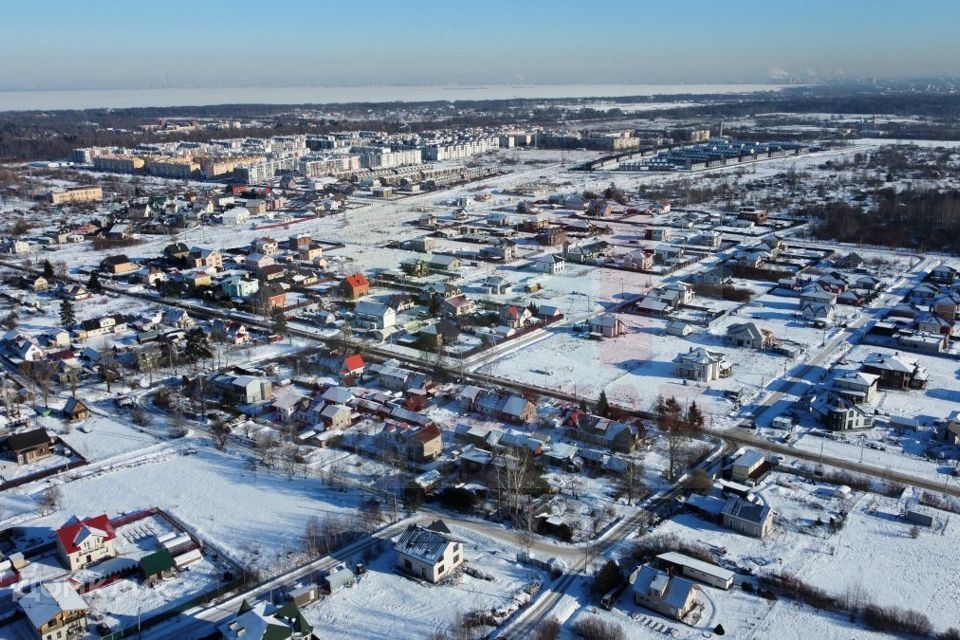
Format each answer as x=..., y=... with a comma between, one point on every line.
x=49, y=100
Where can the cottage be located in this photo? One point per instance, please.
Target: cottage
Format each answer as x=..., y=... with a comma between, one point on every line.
x=608, y=325
x=55, y=611
x=749, y=335
x=747, y=466
x=265, y=621
x=336, y=417
x=668, y=595
x=240, y=286
x=375, y=315
x=856, y=386
x=84, y=542
x=702, y=365
x=457, y=307
x=118, y=265
x=355, y=286
x=430, y=553
x=894, y=372
x=75, y=410
x=29, y=446
x=839, y=413
x=748, y=518
x=551, y=263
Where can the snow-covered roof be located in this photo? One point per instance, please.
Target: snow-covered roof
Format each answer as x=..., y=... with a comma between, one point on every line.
x=47, y=601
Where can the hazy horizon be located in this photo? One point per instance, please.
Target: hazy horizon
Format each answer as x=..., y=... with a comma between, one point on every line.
x=61, y=45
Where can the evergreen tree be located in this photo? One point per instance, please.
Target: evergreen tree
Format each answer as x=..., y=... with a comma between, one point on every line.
x=279, y=321
x=67, y=317
x=603, y=405
x=47, y=270
x=197, y=346
x=695, y=418
x=93, y=284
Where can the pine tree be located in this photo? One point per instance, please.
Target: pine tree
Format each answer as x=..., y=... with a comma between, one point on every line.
x=603, y=405
x=93, y=284
x=67, y=316
x=695, y=418
x=279, y=321
x=47, y=270
x=197, y=346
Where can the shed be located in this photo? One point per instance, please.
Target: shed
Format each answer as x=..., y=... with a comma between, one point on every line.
x=339, y=577
x=699, y=570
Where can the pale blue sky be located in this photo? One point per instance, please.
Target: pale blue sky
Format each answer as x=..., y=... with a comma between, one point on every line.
x=107, y=43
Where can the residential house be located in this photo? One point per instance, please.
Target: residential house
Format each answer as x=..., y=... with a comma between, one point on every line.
x=839, y=413
x=551, y=263
x=749, y=335
x=246, y=389
x=29, y=446
x=817, y=313
x=507, y=407
x=55, y=611
x=84, y=542
x=943, y=274
x=265, y=246
x=235, y=217
x=201, y=258
x=75, y=410
x=430, y=553
x=894, y=372
x=265, y=621
x=856, y=386
x=514, y=316
x=336, y=417
x=702, y=365
x=457, y=306
x=607, y=325
x=272, y=296
x=230, y=331
x=440, y=262
x=669, y=595
x=240, y=286
x=496, y=285
x=355, y=286
x=947, y=306
x=375, y=315
x=748, y=518
x=258, y=261
x=118, y=265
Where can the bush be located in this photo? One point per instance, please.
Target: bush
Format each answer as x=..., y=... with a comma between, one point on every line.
x=549, y=630
x=791, y=586
x=950, y=634
x=896, y=620
x=593, y=628
x=649, y=548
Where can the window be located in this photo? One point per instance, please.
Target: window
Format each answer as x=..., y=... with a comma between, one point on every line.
x=407, y=564
x=440, y=570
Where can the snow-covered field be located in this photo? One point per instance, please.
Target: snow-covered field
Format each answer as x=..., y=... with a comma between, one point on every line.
x=258, y=517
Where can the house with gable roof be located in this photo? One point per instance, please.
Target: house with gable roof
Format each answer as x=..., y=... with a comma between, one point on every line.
x=84, y=542
x=430, y=552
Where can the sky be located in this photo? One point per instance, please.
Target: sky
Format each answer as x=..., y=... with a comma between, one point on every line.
x=107, y=44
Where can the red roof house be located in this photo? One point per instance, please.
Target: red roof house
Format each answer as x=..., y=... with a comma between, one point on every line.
x=356, y=286
x=83, y=542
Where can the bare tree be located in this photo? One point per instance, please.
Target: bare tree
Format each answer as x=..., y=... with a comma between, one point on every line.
x=221, y=433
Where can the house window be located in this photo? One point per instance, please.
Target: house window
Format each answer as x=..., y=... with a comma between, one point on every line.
x=440, y=570
x=407, y=564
